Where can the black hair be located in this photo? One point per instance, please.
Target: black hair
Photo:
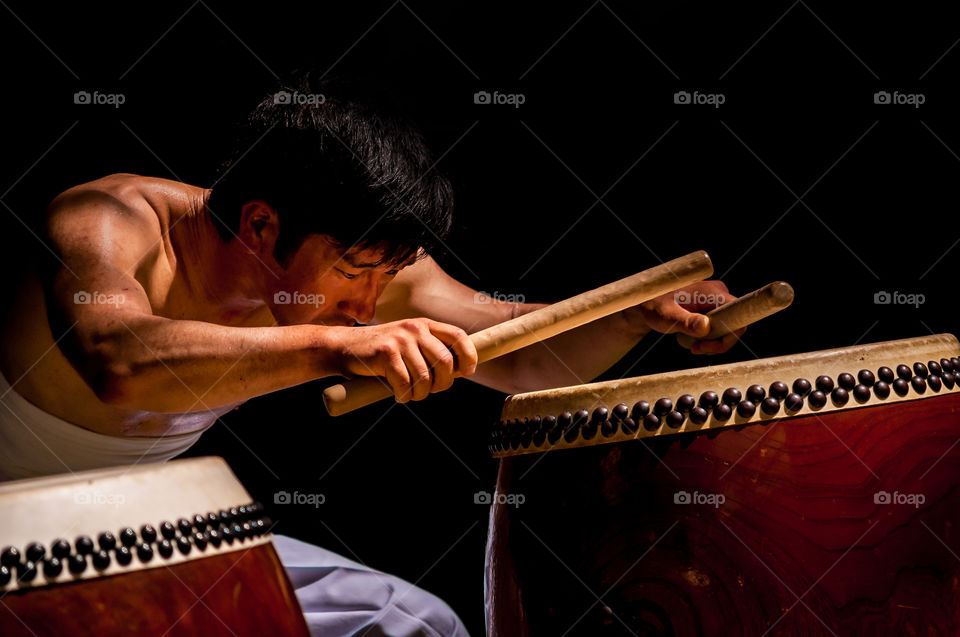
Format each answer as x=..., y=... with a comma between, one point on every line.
x=332, y=157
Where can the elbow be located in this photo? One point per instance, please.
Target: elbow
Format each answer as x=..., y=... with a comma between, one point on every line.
x=111, y=370
x=116, y=385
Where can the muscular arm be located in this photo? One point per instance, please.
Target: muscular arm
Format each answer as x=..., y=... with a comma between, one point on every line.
x=424, y=289
x=136, y=359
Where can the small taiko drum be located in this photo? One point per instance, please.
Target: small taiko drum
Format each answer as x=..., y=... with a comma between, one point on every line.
x=815, y=494
x=159, y=549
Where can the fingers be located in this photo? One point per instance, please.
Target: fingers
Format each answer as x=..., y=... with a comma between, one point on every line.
x=463, y=348
x=398, y=377
x=717, y=346
x=670, y=317
x=441, y=363
x=421, y=378
x=428, y=358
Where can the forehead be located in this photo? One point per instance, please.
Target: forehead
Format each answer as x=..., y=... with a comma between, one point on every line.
x=369, y=258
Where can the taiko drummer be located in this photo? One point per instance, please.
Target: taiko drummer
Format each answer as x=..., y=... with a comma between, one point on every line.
x=162, y=305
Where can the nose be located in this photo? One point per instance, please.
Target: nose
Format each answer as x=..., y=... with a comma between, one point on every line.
x=361, y=305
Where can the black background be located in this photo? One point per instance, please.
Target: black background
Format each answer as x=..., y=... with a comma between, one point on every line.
x=798, y=176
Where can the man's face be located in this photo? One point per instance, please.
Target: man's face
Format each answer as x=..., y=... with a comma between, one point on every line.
x=324, y=285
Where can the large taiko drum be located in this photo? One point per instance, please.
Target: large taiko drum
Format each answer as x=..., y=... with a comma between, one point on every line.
x=159, y=549
x=814, y=494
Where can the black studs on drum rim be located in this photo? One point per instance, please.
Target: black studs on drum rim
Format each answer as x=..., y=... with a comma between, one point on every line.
x=934, y=375
x=825, y=384
x=846, y=381
x=818, y=398
x=722, y=412
x=246, y=521
x=731, y=396
x=674, y=419
x=901, y=387
x=794, y=401
x=756, y=393
x=886, y=375
x=52, y=567
x=685, y=403
x=709, y=399
x=770, y=405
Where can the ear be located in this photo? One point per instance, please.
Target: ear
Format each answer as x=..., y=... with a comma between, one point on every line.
x=259, y=227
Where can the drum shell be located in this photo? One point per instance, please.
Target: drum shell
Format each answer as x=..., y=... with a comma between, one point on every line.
x=800, y=518
x=244, y=592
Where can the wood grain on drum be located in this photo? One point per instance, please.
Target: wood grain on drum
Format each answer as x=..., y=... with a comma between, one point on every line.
x=842, y=524
x=241, y=593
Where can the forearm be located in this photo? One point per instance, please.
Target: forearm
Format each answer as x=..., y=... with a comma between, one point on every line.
x=156, y=364
x=572, y=358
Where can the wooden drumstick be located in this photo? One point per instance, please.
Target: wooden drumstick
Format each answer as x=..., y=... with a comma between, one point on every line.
x=745, y=310
x=544, y=323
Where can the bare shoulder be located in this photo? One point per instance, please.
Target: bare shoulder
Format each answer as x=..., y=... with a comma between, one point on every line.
x=120, y=220
x=423, y=276
x=147, y=199
x=425, y=289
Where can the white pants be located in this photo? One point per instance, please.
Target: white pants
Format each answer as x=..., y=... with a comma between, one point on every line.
x=339, y=597
x=342, y=597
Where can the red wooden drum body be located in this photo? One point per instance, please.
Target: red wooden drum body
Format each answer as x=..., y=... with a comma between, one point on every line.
x=89, y=554
x=840, y=519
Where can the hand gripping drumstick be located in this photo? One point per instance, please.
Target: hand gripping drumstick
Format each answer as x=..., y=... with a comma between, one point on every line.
x=544, y=323
x=745, y=310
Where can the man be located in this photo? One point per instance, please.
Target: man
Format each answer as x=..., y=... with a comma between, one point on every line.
x=167, y=304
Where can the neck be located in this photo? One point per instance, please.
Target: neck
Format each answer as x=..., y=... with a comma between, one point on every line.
x=215, y=271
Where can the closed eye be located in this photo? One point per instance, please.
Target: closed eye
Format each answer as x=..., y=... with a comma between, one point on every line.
x=346, y=275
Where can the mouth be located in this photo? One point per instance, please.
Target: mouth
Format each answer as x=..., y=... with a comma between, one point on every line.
x=338, y=322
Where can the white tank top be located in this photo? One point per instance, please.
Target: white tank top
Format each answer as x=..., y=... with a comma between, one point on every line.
x=34, y=443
